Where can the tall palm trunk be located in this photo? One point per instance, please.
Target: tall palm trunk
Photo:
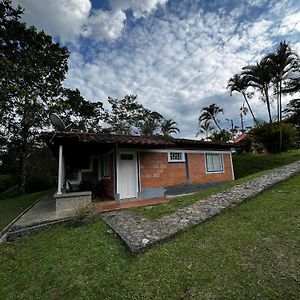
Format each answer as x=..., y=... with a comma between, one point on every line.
x=280, y=115
x=266, y=91
x=215, y=121
x=280, y=102
x=252, y=114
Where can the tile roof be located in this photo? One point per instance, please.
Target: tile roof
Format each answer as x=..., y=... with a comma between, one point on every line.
x=128, y=140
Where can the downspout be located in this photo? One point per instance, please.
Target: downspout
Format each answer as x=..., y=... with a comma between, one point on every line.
x=187, y=173
x=232, y=168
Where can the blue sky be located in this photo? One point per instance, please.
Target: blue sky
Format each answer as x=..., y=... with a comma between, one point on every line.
x=177, y=56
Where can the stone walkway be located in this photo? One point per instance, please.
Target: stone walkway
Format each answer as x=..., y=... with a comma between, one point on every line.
x=138, y=232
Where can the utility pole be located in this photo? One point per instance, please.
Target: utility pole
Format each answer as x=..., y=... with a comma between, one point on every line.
x=242, y=121
x=231, y=124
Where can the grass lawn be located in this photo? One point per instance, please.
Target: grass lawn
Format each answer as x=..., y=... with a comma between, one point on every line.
x=10, y=208
x=249, y=251
x=260, y=162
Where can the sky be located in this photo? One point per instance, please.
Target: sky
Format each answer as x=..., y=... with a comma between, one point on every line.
x=175, y=55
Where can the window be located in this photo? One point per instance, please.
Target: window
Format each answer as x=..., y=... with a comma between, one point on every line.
x=106, y=166
x=126, y=156
x=176, y=157
x=214, y=162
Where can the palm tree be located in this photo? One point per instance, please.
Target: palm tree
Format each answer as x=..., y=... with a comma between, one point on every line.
x=259, y=76
x=205, y=128
x=281, y=63
x=168, y=127
x=148, y=128
x=210, y=113
x=239, y=84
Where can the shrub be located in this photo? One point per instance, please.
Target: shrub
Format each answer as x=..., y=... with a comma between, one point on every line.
x=83, y=215
x=268, y=135
x=6, y=181
x=39, y=182
x=245, y=145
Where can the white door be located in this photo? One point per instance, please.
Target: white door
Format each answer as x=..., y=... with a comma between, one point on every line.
x=127, y=175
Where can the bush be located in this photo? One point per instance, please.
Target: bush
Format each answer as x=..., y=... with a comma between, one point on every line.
x=268, y=135
x=244, y=145
x=39, y=183
x=41, y=171
x=83, y=215
x=6, y=181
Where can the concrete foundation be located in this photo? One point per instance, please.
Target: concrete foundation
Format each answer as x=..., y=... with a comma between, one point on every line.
x=72, y=201
x=149, y=193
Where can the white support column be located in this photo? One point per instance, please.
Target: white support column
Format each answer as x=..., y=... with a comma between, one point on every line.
x=60, y=170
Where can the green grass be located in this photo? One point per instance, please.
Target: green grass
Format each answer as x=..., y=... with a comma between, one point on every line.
x=10, y=208
x=247, y=164
x=249, y=251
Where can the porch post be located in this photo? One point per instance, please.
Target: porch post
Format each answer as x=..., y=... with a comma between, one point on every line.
x=60, y=170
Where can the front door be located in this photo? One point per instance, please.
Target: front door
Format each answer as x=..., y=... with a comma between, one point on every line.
x=127, y=175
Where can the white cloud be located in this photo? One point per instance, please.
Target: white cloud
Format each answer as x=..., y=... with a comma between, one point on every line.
x=176, y=66
x=105, y=25
x=63, y=18
x=176, y=63
x=71, y=19
x=140, y=8
x=290, y=24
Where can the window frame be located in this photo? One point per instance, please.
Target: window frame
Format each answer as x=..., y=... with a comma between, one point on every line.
x=222, y=160
x=170, y=160
x=106, y=165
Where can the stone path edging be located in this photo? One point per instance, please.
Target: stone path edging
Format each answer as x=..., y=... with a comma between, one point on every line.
x=138, y=232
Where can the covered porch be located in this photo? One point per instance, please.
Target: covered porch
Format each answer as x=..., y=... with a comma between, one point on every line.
x=86, y=173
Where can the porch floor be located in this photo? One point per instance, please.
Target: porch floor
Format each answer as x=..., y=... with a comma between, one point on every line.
x=130, y=203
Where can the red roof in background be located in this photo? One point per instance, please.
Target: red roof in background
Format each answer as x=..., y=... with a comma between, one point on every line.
x=128, y=140
x=240, y=137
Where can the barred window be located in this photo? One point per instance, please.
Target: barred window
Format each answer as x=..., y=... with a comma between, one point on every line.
x=176, y=157
x=214, y=162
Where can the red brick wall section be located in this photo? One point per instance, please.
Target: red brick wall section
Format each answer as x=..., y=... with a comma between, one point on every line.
x=198, y=173
x=155, y=171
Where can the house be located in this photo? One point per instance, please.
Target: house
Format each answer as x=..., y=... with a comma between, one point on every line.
x=240, y=137
x=134, y=166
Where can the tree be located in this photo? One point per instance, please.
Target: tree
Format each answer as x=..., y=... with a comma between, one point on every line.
x=267, y=134
x=205, y=128
x=243, y=113
x=127, y=116
x=81, y=114
x=168, y=127
x=259, y=76
x=292, y=112
x=32, y=68
x=293, y=86
x=281, y=64
x=222, y=136
x=239, y=84
x=124, y=115
x=149, y=123
x=210, y=113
